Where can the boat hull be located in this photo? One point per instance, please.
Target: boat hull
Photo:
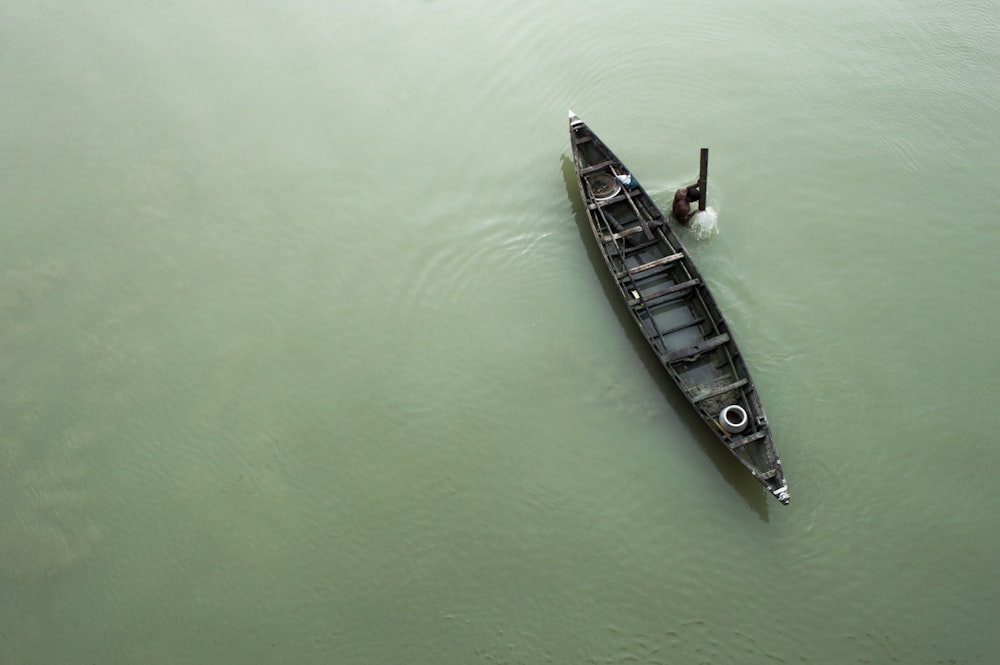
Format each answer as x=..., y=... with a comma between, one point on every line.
x=672, y=306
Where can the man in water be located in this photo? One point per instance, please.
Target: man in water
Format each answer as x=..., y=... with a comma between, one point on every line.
x=683, y=198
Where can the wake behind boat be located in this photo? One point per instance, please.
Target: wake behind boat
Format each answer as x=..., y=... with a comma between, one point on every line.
x=666, y=296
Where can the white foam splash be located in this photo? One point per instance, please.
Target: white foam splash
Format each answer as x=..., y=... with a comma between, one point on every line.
x=704, y=224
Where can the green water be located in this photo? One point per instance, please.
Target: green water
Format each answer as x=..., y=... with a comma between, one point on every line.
x=306, y=357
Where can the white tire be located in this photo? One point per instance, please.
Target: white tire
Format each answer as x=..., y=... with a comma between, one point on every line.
x=734, y=419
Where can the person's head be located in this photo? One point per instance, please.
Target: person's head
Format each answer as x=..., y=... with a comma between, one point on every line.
x=693, y=194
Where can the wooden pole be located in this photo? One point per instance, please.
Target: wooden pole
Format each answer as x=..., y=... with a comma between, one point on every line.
x=703, y=180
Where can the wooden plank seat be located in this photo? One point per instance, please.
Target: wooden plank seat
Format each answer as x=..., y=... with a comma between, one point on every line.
x=621, y=234
x=606, y=202
x=597, y=167
x=744, y=440
x=721, y=390
x=664, y=292
x=696, y=349
x=662, y=261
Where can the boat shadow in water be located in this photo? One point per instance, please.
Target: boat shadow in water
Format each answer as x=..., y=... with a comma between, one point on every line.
x=748, y=489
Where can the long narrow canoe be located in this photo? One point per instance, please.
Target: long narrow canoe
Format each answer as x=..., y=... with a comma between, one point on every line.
x=670, y=302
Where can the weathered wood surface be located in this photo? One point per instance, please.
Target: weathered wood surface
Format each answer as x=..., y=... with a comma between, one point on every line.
x=652, y=264
x=721, y=390
x=696, y=349
x=673, y=288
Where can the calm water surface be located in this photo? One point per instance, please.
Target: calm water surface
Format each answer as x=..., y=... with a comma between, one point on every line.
x=306, y=356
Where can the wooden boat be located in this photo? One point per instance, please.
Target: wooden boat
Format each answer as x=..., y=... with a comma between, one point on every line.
x=670, y=302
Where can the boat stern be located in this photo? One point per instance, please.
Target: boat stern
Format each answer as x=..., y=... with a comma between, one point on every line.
x=782, y=495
